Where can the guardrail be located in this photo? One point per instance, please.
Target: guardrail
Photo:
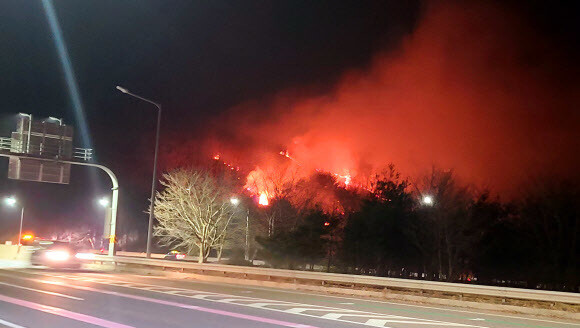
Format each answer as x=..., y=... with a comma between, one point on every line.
x=358, y=280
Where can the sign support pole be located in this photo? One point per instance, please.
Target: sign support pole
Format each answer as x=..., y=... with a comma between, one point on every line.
x=114, y=199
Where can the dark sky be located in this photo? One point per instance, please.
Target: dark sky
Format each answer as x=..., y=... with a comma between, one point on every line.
x=199, y=59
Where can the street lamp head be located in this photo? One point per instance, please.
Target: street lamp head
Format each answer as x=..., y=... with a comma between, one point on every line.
x=104, y=202
x=234, y=201
x=427, y=200
x=55, y=119
x=123, y=90
x=10, y=201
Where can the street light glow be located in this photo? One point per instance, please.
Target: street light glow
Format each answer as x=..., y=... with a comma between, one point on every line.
x=234, y=201
x=10, y=201
x=427, y=200
x=104, y=202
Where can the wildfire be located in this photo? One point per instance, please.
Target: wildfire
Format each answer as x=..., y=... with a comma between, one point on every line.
x=286, y=154
x=263, y=200
x=346, y=179
x=229, y=165
x=267, y=182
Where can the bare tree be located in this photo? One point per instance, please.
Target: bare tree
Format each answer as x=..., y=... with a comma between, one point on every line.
x=194, y=211
x=82, y=236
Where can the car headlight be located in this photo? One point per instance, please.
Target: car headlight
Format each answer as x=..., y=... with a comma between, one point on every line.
x=57, y=255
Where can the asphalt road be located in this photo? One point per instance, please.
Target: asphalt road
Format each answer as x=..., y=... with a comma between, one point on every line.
x=36, y=298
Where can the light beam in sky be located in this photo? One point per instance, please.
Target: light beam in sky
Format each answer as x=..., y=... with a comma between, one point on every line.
x=69, y=74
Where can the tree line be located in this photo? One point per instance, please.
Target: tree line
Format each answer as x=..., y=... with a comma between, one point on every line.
x=385, y=229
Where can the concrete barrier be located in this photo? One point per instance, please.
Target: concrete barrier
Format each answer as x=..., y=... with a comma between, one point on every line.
x=15, y=256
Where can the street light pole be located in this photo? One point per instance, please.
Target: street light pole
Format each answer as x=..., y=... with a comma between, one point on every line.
x=154, y=182
x=235, y=202
x=247, y=250
x=20, y=231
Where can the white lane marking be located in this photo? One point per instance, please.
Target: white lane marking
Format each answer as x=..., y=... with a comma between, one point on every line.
x=10, y=324
x=43, y=291
x=100, y=322
x=417, y=323
x=346, y=303
x=478, y=319
x=383, y=322
x=239, y=301
x=300, y=310
x=384, y=319
x=63, y=313
x=340, y=315
x=385, y=302
x=376, y=322
x=295, y=308
x=159, y=288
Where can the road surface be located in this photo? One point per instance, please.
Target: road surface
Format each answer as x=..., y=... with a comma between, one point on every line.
x=35, y=298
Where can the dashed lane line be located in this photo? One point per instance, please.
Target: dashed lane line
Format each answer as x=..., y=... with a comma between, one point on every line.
x=10, y=324
x=43, y=291
x=315, y=311
x=63, y=313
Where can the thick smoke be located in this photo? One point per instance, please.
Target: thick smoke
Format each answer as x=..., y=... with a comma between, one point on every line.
x=475, y=89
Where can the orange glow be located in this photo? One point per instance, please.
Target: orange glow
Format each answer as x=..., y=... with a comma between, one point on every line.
x=425, y=104
x=286, y=154
x=27, y=237
x=346, y=179
x=263, y=200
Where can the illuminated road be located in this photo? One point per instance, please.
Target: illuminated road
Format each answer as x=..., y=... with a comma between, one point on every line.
x=39, y=298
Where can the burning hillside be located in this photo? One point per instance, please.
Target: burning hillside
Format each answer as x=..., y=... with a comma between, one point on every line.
x=474, y=88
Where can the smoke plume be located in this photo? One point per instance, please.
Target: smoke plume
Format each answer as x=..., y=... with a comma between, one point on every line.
x=475, y=88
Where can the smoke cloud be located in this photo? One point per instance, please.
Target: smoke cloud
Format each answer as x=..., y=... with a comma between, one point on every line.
x=475, y=89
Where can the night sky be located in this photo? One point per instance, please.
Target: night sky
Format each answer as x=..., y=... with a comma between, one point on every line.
x=248, y=77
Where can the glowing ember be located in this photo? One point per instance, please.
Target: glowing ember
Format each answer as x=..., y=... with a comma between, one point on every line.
x=347, y=180
x=263, y=200
x=286, y=154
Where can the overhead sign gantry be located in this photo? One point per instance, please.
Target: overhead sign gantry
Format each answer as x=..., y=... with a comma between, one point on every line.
x=42, y=151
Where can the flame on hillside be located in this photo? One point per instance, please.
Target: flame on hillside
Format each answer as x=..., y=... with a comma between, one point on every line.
x=473, y=88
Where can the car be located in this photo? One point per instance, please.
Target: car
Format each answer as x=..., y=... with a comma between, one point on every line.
x=54, y=254
x=174, y=255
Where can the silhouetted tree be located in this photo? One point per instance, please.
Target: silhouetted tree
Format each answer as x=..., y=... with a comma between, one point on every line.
x=193, y=211
x=550, y=213
x=301, y=246
x=375, y=236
